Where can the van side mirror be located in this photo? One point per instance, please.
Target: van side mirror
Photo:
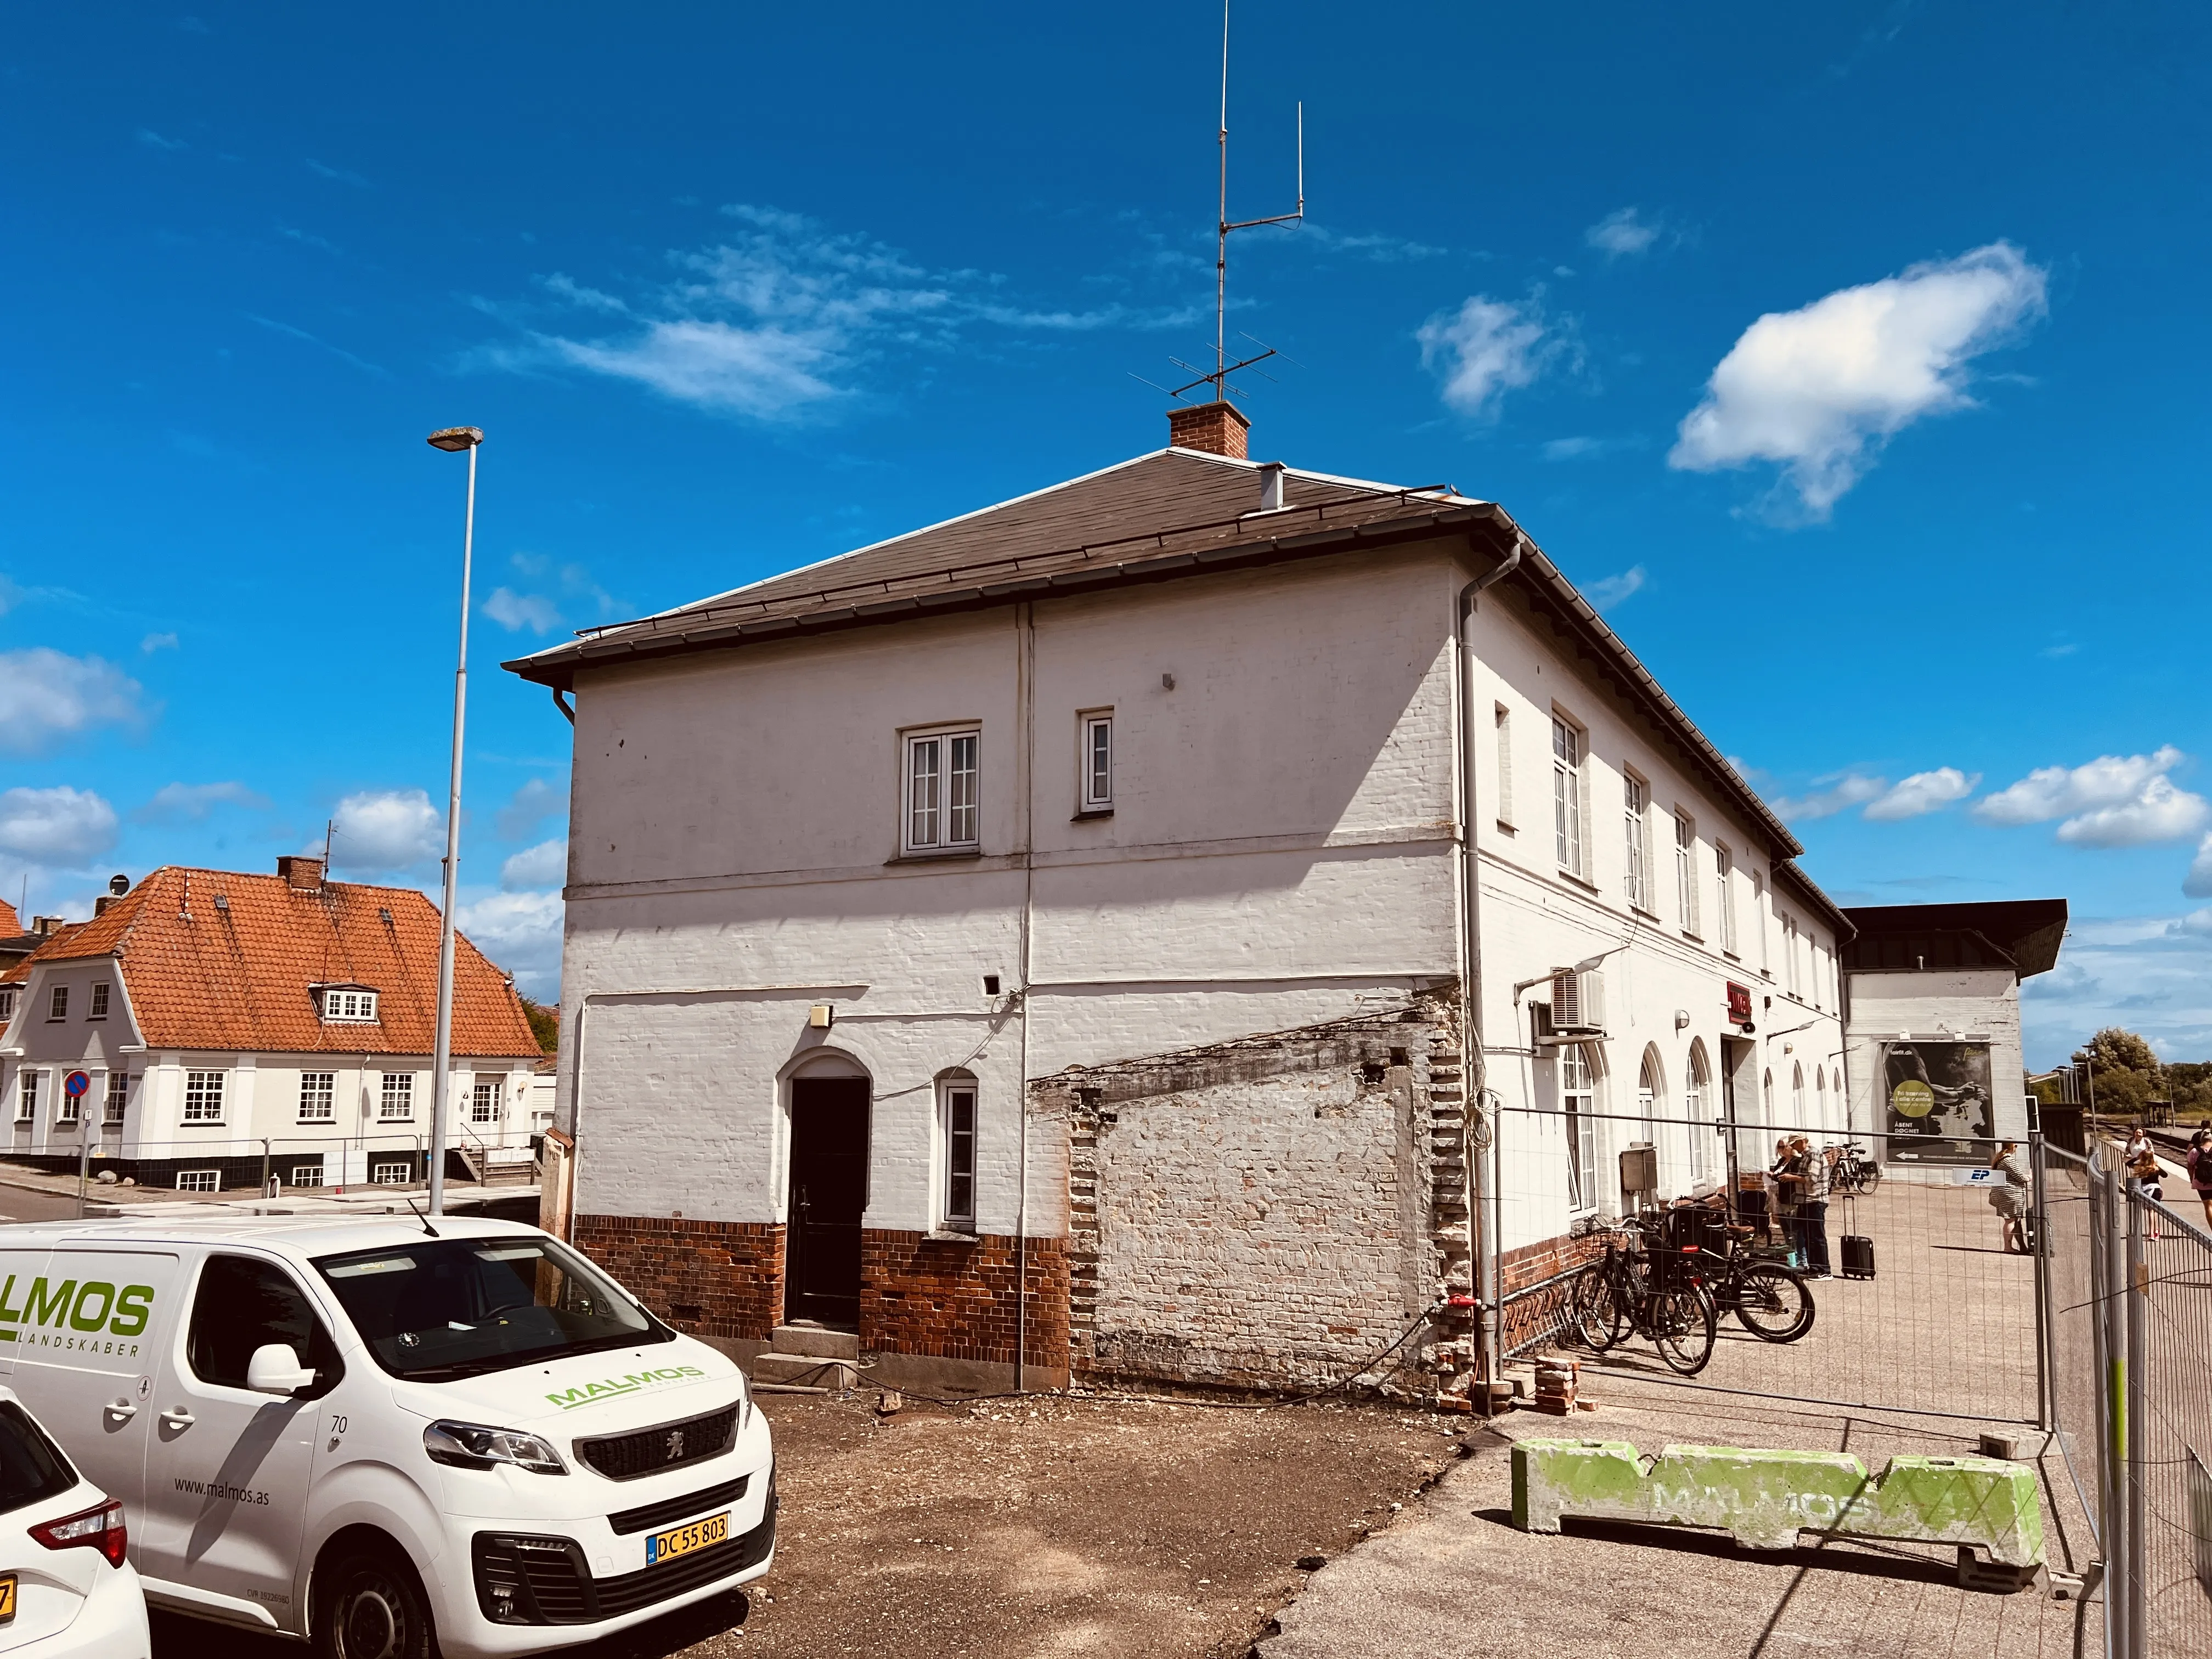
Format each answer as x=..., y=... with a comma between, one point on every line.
x=275, y=1369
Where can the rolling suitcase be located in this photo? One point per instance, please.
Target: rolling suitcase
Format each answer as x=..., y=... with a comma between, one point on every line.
x=1857, y=1257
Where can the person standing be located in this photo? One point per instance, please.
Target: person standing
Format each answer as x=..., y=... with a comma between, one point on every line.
x=2008, y=1197
x=1782, y=1184
x=2145, y=1172
x=2200, y=1171
x=1813, y=1206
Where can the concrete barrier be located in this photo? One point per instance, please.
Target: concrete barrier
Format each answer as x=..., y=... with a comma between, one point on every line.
x=1766, y=1498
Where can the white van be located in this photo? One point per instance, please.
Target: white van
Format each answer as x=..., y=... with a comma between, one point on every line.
x=394, y=1437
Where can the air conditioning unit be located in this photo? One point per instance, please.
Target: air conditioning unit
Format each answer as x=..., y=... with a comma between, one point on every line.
x=1577, y=1003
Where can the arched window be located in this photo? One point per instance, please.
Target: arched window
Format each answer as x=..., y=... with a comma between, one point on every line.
x=1798, y=1097
x=1821, y=1097
x=1695, y=1080
x=1650, y=1089
x=1578, y=1099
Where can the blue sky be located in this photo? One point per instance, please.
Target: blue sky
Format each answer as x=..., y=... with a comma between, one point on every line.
x=1853, y=355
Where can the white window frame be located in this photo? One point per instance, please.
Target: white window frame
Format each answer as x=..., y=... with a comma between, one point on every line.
x=1759, y=920
x=7, y=1002
x=68, y=1108
x=950, y=1137
x=1790, y=978
x=1094, y=760
x=198, y=1181
x=1685, y=871
x=1798, y=1098
x=1570, y=796
x=314, y=1170
x=319, y=1096
x=203, y=1093
x=1578, y=1103
x=117, y=1101
x=944, y=816
x=97, y=1008
x=1503, y=716
x=389, y=1172
x=395, y=1089
x=1696, y=1084
x=27, y=1095
x=1635, y=828
x=348, y=1006
x=484, y=1100
x=1724, y=867
x=56, y=1003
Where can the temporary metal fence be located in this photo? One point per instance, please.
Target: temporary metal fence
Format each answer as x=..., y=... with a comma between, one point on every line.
x=1949, y=1324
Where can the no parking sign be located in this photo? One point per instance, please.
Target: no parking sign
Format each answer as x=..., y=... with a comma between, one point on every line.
x=76, y=1084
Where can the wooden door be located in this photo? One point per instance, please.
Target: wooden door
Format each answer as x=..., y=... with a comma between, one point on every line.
x=828, y=1192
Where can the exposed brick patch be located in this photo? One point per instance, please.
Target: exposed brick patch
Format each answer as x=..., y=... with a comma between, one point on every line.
x=725, y=1276
x=953, y=1299
x=1536, y=1316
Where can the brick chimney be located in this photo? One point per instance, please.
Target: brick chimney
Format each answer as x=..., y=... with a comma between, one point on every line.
x=302, y=873
x=1214, y=428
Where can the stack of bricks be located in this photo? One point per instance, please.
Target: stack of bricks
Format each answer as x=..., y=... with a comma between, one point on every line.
x=1556, y=1376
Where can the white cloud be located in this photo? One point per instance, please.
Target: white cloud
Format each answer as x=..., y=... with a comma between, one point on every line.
x=2150, y=974
x=46, y=697
x=1850, y=790
x=1821, y=389
x=528, y=807
x=545, y=864
x=515, y=612
x=1486, y=349
x=1622, y=232
x=61, y=826
x=522, y=934
x=1606, y=591
x=2197, y=883
x=190, y=803
x=384, y=829
x=153, y=642
x=1921, y=792
x=2114, y=800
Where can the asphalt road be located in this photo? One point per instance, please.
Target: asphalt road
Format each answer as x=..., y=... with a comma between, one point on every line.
x=20, y=1205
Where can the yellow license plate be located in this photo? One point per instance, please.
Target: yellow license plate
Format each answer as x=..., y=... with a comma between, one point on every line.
x=679, y=1541
x=7, y=1598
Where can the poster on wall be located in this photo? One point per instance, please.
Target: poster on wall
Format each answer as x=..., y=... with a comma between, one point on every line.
x=1938, y=1102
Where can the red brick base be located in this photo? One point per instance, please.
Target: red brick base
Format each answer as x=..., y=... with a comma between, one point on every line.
x=956, y=1299
x=707, y=1277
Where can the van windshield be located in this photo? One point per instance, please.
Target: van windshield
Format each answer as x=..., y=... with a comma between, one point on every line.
x=459, y=1307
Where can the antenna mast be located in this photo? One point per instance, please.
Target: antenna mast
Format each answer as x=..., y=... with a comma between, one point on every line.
x=1223, y=368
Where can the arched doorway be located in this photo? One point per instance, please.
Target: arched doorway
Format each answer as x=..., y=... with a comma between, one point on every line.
x=828, y=1192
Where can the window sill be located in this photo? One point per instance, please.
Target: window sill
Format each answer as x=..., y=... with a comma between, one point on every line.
x=1506, y=829
x=1583, y=882
x=1091, y=812
x=202, y=1123
x=935, y=857
x=949, y=1236
x=1694, y=938
x=1647, y=915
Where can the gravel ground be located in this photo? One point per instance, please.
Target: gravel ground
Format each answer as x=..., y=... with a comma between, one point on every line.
x=1039, y=1528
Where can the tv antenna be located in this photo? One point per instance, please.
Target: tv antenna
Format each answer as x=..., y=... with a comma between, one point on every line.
x=1223, y=368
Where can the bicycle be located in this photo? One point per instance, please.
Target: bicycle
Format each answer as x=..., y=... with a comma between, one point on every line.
x=1854, y=1174
x=1768, y=1299
x=1645, y=1293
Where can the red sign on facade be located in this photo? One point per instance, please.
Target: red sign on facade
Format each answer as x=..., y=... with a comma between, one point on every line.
x=1738, y=997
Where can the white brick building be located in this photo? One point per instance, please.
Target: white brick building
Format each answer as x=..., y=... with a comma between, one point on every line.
x=1119, y=835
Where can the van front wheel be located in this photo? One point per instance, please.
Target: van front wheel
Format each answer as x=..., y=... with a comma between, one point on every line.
x=372, y=1606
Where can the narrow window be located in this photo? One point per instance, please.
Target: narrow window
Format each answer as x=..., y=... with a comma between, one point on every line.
x=1635, y=798
x=1789, y=954
x=27, y=1095
x=483, y=1102
x=1504, y=718
x=7, y=1002
x=1797, y=1096
x=397, y=1098
x=1567, y=795
x=118, y=1097
x=1759, y=920
x=1693, y=1107
x=58, y=1003
x=317, y=1096
x=1577, y=1094
x=959, y=1129
x=203, y=1096
x=941, y=791
x=1724, y=867
x=99, y=1009
x=68, y=1108
x=1685, y=871
x=1098, y=763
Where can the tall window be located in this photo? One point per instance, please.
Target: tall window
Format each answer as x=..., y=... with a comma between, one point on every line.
x=1635, y=802
x=1648, y=1088
x=1724, y=867
x=27, y=1095
x=483, y=1102
x=957, y=1128
x=1759, y=920
x=317, y=1096
x=1694, y=1085
x=1098, y=763
x=99, y=1009
x=1685, y=871
x=1789, y=954
x=1577, y=1094
x=1797, y=1096
x=1820, y=1096
x=118, y=1097
x=68, y=1108
x=58, y=1003
x=1567, y=795
x=941, y=791
x=1504, y=719
x=397, y=1099
x=203, y=1096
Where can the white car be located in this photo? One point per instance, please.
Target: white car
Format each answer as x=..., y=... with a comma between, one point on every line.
x=67, y=1590
x=393, y=1437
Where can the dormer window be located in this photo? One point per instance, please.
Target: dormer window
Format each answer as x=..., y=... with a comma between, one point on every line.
x=347, y=1003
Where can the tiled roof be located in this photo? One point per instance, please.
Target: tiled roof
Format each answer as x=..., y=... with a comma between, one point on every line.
x=204, y=974
x=11, y=923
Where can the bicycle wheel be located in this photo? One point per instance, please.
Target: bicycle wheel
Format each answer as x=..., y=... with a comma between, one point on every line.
x=1682, y=1328
x=1595, y=1317
x=1869, y=1178
x=1774, y=1303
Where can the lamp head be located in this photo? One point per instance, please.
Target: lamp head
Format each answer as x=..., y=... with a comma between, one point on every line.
x=453, y=439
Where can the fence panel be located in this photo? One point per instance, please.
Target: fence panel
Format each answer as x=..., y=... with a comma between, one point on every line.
x=2171, y=1561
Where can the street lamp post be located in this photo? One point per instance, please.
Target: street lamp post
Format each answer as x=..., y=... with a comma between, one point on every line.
x=451, y=439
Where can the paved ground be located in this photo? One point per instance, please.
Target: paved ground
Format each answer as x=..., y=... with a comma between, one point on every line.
x=1453, y=1579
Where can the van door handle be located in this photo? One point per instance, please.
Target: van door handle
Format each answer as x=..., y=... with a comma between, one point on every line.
x=123, y=1409
x=177, y=1417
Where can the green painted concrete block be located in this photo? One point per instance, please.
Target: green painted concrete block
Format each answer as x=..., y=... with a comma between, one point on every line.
x=1766, y=1498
